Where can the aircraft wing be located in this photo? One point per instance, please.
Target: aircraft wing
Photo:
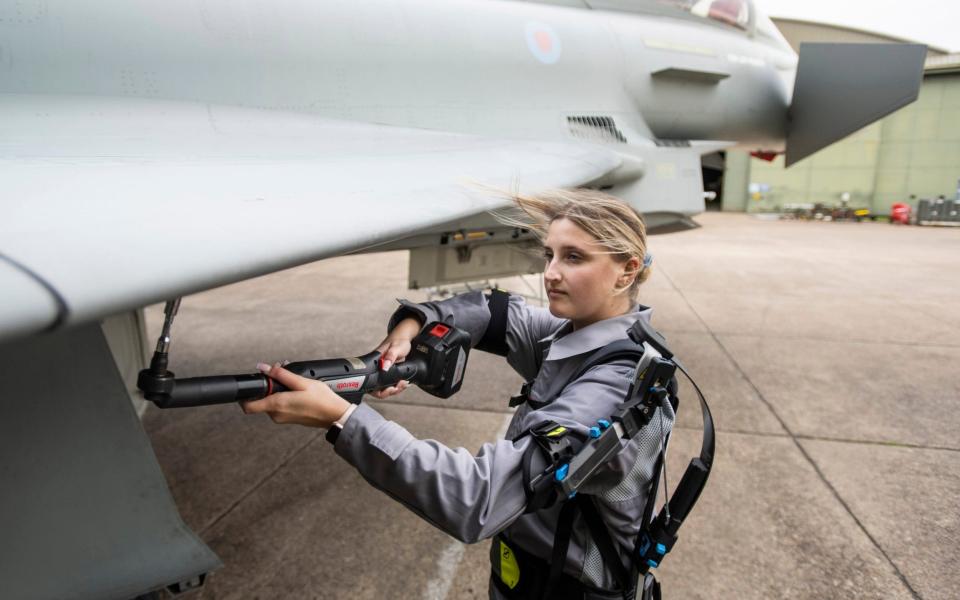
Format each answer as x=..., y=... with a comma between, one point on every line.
x=111, y=204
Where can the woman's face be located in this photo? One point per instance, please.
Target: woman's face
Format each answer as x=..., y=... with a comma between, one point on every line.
x=580, y=278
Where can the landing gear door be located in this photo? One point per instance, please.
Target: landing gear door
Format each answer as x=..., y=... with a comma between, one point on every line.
x=84, y=508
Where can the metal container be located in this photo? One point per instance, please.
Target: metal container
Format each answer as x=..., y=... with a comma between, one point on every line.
x=951, y=211
x=923, y=211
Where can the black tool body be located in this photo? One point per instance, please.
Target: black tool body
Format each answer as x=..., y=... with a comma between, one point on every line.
x=436, y=364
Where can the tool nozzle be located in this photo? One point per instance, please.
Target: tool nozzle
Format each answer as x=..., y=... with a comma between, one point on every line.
x=156, y=382
x=169, y=312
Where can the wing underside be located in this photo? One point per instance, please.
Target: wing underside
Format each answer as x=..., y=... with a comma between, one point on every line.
x=112, y=204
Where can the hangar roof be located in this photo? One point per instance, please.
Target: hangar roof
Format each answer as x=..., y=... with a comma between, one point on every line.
x=800, y=30
x=947, y=63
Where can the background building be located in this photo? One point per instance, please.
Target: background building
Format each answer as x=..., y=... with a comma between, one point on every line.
x=914, y=151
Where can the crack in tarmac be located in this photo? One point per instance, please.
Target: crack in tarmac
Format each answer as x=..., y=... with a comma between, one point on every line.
x=817, y=438
x=810, y=338
x=821, y=438
x=796, y=441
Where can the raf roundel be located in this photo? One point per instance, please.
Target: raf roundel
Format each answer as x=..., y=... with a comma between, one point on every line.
x=543, y=42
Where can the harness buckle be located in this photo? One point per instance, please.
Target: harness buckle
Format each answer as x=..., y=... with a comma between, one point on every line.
x=554, y=442
x=523, y=396
x=654, y=544
x=552, y=439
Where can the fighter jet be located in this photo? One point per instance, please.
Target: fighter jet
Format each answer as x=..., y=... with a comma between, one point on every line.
x=152, y=150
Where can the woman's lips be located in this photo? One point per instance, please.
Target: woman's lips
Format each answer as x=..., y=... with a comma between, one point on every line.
x=555, y=293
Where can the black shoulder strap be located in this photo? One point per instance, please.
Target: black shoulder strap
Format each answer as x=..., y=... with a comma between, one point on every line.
x=494, y=339
x=624, y=348
x=601, y=537
x=657, y=537
x=561, y=543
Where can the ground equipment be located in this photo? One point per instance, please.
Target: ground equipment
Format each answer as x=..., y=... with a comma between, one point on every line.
x=900, y=213
x=436, y=364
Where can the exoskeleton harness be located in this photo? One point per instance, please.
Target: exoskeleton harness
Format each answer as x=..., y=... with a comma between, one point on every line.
x=571, y=461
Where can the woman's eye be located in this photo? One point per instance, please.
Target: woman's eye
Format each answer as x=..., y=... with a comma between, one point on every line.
x=573, y=257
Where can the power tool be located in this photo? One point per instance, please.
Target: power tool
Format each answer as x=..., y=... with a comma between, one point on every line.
x=436, y=363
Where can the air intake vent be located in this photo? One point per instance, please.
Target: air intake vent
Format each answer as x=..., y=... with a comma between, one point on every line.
x=672, y=143
x=597, y=129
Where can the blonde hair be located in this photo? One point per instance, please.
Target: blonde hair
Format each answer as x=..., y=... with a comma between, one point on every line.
x=614, y=224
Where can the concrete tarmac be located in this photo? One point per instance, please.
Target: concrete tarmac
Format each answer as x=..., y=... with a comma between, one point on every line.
x=828, y=352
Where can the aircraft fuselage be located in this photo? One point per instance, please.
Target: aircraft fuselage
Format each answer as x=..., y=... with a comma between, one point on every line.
x=513, y=69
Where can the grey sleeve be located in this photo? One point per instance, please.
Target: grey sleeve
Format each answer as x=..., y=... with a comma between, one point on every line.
x=465, y=311
x=526, y=325
x=469, y=497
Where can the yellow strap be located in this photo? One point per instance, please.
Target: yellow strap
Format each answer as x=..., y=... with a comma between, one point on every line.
x=509, y=569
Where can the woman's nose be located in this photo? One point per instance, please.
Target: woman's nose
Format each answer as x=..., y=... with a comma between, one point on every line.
x=551, y=273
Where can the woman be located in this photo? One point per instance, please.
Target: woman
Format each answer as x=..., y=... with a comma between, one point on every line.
x=594, y=246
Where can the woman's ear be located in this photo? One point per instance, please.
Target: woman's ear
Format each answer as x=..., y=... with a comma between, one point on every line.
x=631, y=268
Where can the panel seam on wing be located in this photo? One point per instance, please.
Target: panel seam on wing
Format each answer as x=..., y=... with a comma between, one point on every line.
x=63, y=311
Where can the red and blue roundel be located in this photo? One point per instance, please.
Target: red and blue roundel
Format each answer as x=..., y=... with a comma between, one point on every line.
x=544, y=43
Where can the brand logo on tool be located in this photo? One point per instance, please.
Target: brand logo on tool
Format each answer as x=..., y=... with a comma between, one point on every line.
x=346, y=384
x=543, y=42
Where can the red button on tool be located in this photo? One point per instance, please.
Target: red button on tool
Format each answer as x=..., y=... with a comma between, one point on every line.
x=439, y=330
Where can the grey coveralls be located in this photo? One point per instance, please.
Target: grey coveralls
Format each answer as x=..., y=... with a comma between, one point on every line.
x=475, y=497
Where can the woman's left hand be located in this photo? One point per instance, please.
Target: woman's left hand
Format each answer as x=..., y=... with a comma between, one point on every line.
x=308, y=402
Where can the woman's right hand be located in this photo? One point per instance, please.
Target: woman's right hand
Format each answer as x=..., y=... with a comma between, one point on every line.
x=394, y=349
